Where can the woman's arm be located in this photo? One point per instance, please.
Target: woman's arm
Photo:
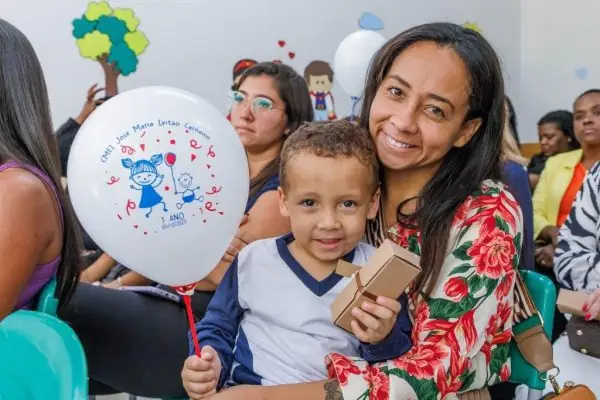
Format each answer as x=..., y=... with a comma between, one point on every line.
x=540, y=215
x=98, y=269
x=264, y=221
x=577, y=260
x=27, y=229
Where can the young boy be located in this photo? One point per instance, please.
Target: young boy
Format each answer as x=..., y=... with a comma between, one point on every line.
x=269, y=321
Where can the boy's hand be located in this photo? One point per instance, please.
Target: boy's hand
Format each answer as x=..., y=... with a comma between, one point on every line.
x=373, y=322
x=200, y=375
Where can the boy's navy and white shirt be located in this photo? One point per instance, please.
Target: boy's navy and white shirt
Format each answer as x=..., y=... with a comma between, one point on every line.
x=270, y=320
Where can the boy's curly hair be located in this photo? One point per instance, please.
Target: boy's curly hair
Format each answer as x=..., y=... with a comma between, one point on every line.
x=331, y=139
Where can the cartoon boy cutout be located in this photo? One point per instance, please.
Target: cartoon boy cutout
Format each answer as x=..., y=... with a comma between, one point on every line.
x=319, y=78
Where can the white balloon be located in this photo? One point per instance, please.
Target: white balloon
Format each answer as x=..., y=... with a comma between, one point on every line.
x=159, y=179
x=352, y=60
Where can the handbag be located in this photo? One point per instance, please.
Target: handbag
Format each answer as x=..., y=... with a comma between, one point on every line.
x=536, y=349
x=584, y=336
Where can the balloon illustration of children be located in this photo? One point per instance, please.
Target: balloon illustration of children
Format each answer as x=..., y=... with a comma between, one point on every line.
x=145, y=177
x=188, y=194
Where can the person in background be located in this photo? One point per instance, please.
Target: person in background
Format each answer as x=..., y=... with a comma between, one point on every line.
x=238, y=69
x=514, y=174
x=270, y=103
x=556, y=135
x=38, y=236
x=559, y=183
x=512, y=121
x=66, y=132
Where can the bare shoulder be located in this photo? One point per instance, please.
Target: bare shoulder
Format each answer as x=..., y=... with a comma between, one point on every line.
x=21, y=191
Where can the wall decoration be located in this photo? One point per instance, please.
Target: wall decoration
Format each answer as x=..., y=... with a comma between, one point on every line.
x=473, y=26
x=319, y=78
x=370, y=21
x=582, y=73
x=103, y=30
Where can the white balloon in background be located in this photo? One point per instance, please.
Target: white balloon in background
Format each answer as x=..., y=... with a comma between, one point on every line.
x=159, y=179
x=352, y=59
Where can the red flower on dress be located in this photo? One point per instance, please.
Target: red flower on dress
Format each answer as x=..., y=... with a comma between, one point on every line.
x=421, y=315
x=505, y=312
x=466, y=324
x=340, y=367
x=505, y=372
x=448, y=383
x=456, y=288
x=486, y=349
x=379, y=383
x=492, y=251
x=422, y=360
x=462, y=213
x=500, y=205
x=506, y=285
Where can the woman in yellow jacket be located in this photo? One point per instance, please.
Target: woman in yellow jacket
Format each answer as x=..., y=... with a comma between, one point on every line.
x=563, y=176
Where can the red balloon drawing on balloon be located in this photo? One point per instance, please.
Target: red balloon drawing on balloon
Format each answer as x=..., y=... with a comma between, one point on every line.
x=170, y=159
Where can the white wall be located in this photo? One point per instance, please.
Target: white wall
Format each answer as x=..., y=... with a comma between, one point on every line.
x=194, y=43
x=558, y=43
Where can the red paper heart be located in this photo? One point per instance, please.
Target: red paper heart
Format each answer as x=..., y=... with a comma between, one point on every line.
x=208, y=166
x=281, y=43
x=172, y=141
x=143, y=147
x=292, y=55
x=167, y=188
x=135, y=226
x=193, y=157
x=221, y=212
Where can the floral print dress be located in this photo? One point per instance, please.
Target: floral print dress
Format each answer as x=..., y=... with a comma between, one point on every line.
x=462, y=330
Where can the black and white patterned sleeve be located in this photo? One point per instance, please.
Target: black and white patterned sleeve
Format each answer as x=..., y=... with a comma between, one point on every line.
x=577, y=257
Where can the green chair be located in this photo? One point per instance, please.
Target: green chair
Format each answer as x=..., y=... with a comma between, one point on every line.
x=543, y=294
x=40, y=358
x=47, y=301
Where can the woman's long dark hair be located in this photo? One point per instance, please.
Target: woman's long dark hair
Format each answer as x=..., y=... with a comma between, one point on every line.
x=294, y=92
x=26, y=137
x=463, y=169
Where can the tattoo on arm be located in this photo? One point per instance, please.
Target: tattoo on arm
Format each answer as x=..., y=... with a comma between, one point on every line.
x=333, y=391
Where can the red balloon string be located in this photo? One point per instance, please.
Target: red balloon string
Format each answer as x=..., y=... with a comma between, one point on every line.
x=190, y=314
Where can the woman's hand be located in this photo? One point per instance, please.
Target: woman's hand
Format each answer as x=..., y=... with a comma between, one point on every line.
x=592, y=305
x=545, y=256
x=375, y=321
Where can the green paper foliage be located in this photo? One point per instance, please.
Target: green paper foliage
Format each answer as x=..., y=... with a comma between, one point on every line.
x=102, y=30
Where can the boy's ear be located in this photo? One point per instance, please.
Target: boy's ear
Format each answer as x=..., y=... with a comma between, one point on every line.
x=374, y=205
x=283, y=209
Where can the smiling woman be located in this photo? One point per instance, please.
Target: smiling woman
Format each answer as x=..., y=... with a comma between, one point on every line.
x=434, y=104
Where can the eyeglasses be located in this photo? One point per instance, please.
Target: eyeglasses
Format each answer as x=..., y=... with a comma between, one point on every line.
x=257, y=105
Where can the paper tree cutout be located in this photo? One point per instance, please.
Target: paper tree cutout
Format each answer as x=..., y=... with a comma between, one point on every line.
x=472, y=26
x=102, y=30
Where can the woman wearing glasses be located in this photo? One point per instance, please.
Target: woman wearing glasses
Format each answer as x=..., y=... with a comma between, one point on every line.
x=121, y=331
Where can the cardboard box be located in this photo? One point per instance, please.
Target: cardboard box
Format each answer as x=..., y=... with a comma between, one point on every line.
x=388, y=273
x=570, y=302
